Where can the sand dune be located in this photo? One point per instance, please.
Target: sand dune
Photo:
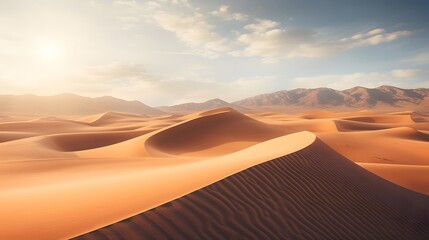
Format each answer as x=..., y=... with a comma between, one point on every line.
x=212, y=129
x=112, y=118
x=10, y=136
x=414, y=177
x=208, y=134
x=43, y=126
x=412, y=146
x=383, y=119
x=420, y=117
x=69, y=198
x=83, y=141
x=198, y=107
x=310, y=194
x=61, y=177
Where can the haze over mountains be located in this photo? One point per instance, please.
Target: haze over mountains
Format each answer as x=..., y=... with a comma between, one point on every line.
x=70, y=104
x=297, y=100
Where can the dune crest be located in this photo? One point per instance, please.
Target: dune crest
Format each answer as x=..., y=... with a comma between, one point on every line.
x=211, y=129
x=112, y=118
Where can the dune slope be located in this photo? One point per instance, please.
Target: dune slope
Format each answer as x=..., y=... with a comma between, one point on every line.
x=314, y=193
x=211, y=129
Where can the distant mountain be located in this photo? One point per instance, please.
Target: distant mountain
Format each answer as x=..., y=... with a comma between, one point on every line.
x=326, y=98
x=198, y=107
x=297, y=100
x=70, y=104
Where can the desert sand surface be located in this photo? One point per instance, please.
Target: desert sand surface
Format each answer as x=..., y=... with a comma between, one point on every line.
x=215, y=174
x=313, y=193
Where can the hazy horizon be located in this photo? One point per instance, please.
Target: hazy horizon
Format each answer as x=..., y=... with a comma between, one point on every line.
x=201, y=101
x=165, y=52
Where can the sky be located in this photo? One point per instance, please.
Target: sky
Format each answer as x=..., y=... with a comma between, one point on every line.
x=165, y=52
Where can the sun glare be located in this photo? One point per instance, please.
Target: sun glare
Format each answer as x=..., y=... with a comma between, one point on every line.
x=49, y=51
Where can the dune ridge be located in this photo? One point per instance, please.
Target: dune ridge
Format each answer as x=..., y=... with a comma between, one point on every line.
x=313, y=193
x=210, y=129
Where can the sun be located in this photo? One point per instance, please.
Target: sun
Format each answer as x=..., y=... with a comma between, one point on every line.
x=49, y=51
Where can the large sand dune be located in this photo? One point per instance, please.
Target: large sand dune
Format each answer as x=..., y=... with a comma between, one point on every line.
x=233, y=175
x=313, y=193
x=213, y=128
x=70, y=197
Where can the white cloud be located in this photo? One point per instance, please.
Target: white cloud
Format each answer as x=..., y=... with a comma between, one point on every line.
x=261, y=25
x=372, y=38
x=370, y=33
x=272, y=43
x=406, y=73
x=224, y=13
x=125, y=3
x=264, y=38
x=194, y=31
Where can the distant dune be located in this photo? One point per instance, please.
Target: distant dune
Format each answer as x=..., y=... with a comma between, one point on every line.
x=198, y=107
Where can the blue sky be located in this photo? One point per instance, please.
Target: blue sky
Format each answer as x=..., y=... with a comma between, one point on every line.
x=172, y=51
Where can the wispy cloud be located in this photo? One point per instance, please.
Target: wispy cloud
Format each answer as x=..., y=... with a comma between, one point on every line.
x=194, y=31
x=373, y=37
x=224, y=13
x=124, y=3
x=266, y=39
x=406, y=73
x=269, y=40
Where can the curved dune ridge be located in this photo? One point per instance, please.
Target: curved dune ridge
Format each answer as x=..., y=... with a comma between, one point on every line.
x=84, y=141
x=313, y=193
x=211, y=133
x=112, y=118
x=398, y=118
x=211, y=129
x=420, y=117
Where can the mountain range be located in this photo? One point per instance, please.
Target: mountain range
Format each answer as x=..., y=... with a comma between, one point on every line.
x=198, y=107
x=70, y=104
x=301, y=99
x=383, y=97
